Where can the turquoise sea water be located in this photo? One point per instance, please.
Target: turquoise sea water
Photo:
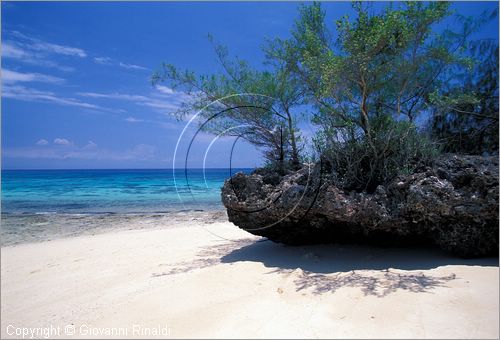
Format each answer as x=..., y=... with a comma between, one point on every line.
x=43, y=204
x=111, y=191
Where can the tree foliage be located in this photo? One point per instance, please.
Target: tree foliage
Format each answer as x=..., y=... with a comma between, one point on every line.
x=371, y=82
x=240, y=101
x=465, y=115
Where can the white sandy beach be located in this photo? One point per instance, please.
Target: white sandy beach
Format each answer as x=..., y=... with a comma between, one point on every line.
x=185, y=281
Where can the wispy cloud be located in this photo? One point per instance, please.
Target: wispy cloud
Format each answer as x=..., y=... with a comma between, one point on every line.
x=46, y=47
x=11, y=51
x=42, y=142
x=9, y=76
x=133, y=120
x=57, y=49
x=62, y=141
x=173, y=126
x=32, y=95
x=130, y=97
x=111, y=61
x=90, y=145
x=164, y=89
x=38, y=52
x=139, y=152
x=34, y=51
x=131, y=66
x=162, y=103
x=103, y=60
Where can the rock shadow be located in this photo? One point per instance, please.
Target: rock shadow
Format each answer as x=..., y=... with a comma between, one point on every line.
x=321, y=269
x=376, y=271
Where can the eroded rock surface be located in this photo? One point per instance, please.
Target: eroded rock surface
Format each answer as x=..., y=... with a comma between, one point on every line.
x=453, y=205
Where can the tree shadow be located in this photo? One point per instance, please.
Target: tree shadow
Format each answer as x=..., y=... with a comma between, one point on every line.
x=375, y=283
x=206, y=257
x=322, y=269
x=376, y=271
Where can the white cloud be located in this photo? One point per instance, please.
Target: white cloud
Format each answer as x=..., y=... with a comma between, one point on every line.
x=27, y=94
x=130, y=97
x=131, y=66
x=46, y=47
x=62, y=141
x=164, y=89
x=111, y=61
x=42, y=142
x=22, y=53
x=58, y=49
x=33, y=95
x=133, y=120
x=9, y=76
x=103, y=60
x=90, y=145
x=34, y=51
x=140, y=152
x=11, y=51
x=162, y=103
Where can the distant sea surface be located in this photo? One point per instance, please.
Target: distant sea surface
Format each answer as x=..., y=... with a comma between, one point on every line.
x=39, y=203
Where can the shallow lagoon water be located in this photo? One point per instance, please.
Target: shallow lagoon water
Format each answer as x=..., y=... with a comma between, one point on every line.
x=42, y=204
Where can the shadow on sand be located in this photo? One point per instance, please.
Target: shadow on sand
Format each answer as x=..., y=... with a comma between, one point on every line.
x=326, y=268
x=376, y=271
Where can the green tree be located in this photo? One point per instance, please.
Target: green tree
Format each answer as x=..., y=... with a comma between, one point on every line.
x=465, y=115
x=371, y=82
x=241, y=101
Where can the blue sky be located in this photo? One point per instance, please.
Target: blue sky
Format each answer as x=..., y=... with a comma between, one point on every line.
x=75, y=77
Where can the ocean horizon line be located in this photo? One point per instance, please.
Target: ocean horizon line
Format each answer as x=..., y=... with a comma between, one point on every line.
x=93, y=169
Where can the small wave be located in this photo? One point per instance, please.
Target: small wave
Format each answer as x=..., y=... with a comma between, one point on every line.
x=42, y=213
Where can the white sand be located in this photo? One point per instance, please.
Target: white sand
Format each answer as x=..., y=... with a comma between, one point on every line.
x=199, y=285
